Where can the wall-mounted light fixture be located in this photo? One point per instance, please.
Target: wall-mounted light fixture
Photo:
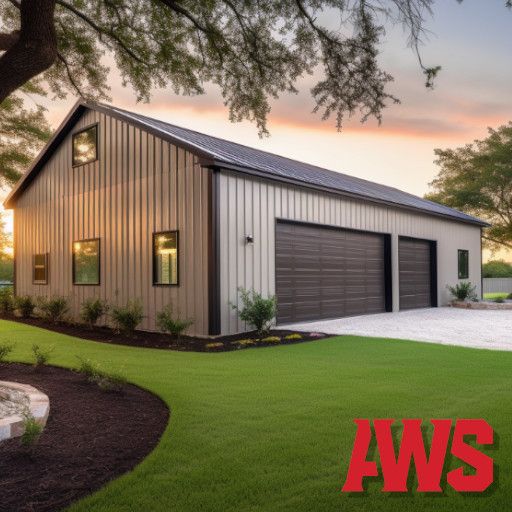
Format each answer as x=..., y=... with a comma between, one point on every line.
x=249, y=239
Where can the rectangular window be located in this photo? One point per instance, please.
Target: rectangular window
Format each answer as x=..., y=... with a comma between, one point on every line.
x=85, y=146
x=463, y=264
x=40, y=275
x=165, y=258
x=86, y=262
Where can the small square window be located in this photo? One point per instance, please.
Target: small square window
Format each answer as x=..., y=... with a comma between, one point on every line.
x=85, y=146
x=86, y=262
x=463, y=264
x=40, y=272
x=165, y=258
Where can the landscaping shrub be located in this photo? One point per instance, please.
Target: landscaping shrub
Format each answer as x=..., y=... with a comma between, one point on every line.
x=24, y=305
x=92, y=310
x=257, y=311
x=463, y=291
x=294, y=336
x=499, y=300
x=509, y=296
x=127, y=318
x=32, y=431
x=6, y=300
x=243, y=343
x=272, y=339
x=174, y=325
x=215, y=345
x=53, y=309
x=41, y=356
x=5, y=350
x=106, y=381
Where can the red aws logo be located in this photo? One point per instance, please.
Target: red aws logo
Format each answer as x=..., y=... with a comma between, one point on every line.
x=395, y=470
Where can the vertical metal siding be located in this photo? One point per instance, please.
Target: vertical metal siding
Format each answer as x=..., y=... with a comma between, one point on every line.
x=250, y=206
x=140, y=184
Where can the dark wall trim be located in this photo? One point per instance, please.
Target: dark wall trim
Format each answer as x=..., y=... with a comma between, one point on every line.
x=14, y=273
x=481, y=265
x=388, y=274
x=213, y=254
x=433, y=274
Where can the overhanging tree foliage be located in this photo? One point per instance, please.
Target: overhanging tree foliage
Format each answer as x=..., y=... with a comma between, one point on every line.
x=252, y=50
x=477, y=179
x=22, y=133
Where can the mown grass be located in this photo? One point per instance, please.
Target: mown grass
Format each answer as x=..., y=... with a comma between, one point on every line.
x=497, y=295
x=272, y=429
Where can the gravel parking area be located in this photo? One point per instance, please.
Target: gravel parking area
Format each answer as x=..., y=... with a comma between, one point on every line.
x=449, y=326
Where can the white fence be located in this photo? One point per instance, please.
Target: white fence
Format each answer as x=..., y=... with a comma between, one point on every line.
x=497, y=285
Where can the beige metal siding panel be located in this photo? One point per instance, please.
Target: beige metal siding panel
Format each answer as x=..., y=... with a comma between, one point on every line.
x=265, y=200
x=139, y=185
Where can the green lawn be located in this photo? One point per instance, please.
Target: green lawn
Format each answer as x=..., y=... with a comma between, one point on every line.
x=271, y=429
x=497, y=295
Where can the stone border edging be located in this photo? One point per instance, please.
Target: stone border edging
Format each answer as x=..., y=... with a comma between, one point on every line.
x=482, y=305
x=38, y=407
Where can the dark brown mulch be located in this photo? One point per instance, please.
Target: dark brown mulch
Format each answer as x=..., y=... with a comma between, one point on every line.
x=91, y=437
x=160, y=340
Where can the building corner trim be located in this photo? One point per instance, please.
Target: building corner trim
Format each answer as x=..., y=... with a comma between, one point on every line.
x=214, y=327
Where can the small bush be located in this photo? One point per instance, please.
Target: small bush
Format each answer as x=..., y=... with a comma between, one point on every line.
x=127, y=318
x=257, y=311
x=41, y=356
x=272, y=339
x=215, y=345
x=174, y=325
x=5, y=350
x=106, y=381
x=294, y=336
x=509, y=296
x=87, y=368
x=53, y=309
x=92, y=310
x=463, y=291
x=32, y=431
x=112, y=381
x=499, y=300
x=24, y=305
x=6, y=300
x=243, y=343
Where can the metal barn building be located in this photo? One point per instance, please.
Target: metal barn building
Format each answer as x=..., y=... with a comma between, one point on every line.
x=121, y=206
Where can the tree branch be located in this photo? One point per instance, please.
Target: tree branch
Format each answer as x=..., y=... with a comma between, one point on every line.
x=8, y=40
x=34, y=51
x=100, y=30
x=499, y=242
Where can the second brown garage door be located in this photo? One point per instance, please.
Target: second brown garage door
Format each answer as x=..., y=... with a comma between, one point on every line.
x=324, y=272
x=417, y=280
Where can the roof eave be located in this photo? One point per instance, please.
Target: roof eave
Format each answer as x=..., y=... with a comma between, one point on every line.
x=261, y=174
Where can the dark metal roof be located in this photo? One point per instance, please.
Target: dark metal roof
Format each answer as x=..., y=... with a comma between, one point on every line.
x=228, y=154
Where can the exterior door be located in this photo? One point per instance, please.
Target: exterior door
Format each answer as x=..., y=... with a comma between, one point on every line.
x=325, y=272
x=416, y=280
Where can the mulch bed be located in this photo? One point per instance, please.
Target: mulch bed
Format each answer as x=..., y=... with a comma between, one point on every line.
x=91, y=437
x=159, y=340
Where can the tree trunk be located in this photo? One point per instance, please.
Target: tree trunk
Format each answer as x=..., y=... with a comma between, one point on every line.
x=34, y=51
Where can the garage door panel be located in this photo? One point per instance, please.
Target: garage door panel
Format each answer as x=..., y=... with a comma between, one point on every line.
x=324, y=273
x=415, y=273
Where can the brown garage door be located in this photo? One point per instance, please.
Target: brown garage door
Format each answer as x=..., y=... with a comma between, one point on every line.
x=415, y=273
x=323, y=272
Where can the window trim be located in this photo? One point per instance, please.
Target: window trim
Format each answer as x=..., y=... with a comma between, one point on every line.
x=73, y=262
x=459, y=273
x=34, y=280
x=78, y=132
x=158, y=233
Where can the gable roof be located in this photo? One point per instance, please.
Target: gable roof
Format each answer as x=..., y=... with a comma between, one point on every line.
x=230, y=155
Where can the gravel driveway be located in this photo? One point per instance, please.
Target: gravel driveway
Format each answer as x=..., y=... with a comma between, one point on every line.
x=469, y=328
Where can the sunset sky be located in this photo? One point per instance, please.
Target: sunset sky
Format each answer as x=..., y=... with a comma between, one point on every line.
x=472, y=43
